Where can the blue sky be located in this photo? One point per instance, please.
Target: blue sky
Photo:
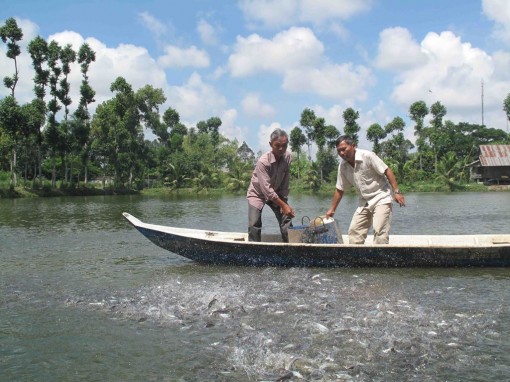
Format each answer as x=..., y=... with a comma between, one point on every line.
x=257, y=64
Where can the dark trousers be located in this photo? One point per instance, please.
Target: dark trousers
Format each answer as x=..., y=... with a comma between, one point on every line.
x=255, y=222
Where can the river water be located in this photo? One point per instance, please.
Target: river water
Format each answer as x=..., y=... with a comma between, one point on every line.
x=85, y=297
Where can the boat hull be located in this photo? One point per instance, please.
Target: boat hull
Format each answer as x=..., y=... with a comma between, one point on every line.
x=243, y=253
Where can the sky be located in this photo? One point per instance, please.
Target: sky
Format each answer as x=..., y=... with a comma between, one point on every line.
x=257, y=64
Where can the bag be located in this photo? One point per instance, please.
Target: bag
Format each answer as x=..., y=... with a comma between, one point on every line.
x=322, y=230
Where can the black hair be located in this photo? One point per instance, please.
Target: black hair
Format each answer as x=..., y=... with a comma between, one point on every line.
x=344, y=138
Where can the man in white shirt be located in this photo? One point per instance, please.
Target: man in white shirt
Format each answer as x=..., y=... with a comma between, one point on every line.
x=372, y=179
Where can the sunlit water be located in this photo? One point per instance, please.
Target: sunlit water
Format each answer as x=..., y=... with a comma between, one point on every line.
x=84, y=296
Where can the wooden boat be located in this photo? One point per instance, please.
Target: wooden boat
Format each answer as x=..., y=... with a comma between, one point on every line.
x=231, y=248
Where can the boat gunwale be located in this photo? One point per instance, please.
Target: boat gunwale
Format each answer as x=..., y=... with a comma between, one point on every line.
x=233, y=238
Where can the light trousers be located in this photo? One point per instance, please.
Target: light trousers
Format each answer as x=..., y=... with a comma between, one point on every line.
x=380, y=218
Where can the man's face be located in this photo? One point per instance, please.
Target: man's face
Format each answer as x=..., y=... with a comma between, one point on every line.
x=279, y=146
x=346, y=151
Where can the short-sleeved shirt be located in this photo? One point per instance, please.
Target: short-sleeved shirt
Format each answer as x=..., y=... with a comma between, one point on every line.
x=269, y=180
x=367, y=177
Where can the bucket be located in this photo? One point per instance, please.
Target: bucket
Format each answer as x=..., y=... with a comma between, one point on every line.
x=322, y=230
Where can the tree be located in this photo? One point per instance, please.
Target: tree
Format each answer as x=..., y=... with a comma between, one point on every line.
x=307, y=122
x=319, y=132
x=213, y=126
x=331, y=133
x=202, y=127
x=375, y=133
x=297, y=139
x=417, y=112
x=81, y=127
x=506, y=106
x=33, y=115
x=246, y=154
x=10, y=121
x=239, y=175
x=10, y=34
x=149, y=100
x=52, y=134
x=118, y=136
x=170, y=118
x=436, y=134
x=450, y=171
x=396, y=149
x=67, y=57
x=38, y=50
x=351, y=127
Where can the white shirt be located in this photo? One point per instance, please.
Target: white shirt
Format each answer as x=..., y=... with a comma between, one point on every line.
x=367, y=177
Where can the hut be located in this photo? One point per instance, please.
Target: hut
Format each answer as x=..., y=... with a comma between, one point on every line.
x=493, y=165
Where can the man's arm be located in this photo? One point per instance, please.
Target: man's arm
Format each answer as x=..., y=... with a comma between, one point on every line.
x=285, y=208
x=337, y=196
x=399, y=198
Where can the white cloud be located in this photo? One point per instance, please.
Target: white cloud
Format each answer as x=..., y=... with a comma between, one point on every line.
x=339, y=30
x=255, y=108
x=331, y=81
x=282, y=13
x=498, y=11
x=452, y=72
x=189, y=57
x=154, y=25
x=229, y=128
x=318, y=11
x=195, y=100
x=207, y=32
x=264, y=134
x=128, y=61
x=292, y=48
x=397, y=50
x=269, y=12
x=296, y=54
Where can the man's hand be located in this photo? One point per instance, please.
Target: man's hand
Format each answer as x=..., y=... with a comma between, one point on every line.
x=399, y=198
x=287, y=210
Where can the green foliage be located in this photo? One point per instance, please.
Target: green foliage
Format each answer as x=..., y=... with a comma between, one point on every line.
x=451, y=171
x=351, y=127
x=312, y=178
x=506, y=106
x=110, y=144
x=11, y=34
x=239, y=175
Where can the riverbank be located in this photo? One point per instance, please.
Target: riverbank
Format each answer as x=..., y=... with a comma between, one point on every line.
x=327, y=189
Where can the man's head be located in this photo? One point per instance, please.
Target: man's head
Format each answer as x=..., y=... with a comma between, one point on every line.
x=346, y=148
x=279, y=142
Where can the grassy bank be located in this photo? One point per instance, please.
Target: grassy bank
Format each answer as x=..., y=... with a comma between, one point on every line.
x=7, y=192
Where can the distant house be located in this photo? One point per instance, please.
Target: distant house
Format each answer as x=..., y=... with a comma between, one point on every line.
x=493, y=165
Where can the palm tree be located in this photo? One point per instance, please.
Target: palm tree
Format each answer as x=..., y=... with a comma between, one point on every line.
x=239, y=176
x=450, y=171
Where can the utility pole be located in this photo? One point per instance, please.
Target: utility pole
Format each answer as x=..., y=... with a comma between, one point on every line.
x=482, y=105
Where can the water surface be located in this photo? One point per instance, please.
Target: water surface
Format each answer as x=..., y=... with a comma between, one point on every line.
x=84, y=296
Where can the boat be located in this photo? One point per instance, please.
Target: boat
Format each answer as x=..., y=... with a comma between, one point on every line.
x=233, y=248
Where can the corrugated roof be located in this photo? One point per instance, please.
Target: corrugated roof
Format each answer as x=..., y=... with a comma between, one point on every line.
x=495, y=155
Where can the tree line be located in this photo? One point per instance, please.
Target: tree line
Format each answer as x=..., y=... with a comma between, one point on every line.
x=43, y=141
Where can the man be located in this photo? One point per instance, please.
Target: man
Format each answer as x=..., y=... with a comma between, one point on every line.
x=270, y=185
x=372, y=178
